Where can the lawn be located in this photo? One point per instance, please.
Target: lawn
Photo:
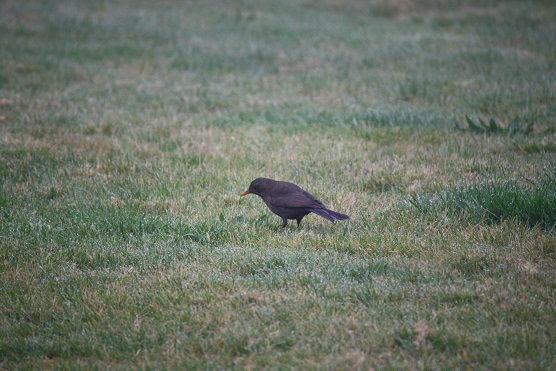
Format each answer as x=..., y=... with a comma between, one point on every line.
x=130, y=128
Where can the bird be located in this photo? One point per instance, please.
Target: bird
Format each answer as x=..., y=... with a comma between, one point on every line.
x=289, y=201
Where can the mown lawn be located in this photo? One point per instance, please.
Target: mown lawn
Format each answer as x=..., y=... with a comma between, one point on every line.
x=130, y=128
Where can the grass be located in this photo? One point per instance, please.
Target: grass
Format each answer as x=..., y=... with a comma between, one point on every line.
x=128, y=132
x=495, y=202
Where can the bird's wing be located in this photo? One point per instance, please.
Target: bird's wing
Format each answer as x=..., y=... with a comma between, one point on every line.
x=301, y=199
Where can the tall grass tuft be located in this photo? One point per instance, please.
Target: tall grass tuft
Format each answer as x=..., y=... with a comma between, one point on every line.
x=493, y=127
x=493, y=202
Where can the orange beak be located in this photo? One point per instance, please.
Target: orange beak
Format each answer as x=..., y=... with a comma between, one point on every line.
x=245, y=193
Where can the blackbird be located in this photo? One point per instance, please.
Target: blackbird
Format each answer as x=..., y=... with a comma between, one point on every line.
x=289, y=201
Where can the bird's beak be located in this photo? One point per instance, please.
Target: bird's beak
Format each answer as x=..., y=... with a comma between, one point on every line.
x=245, y=193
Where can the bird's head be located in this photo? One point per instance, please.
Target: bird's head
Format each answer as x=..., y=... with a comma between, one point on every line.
x=257, y=187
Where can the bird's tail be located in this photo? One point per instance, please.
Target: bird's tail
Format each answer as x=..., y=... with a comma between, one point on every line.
x=329, y=214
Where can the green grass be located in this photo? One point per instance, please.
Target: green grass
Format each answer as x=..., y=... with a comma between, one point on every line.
x=493, y=203
x=129, y=129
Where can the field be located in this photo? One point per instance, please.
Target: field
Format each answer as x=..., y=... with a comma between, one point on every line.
x=130, y=128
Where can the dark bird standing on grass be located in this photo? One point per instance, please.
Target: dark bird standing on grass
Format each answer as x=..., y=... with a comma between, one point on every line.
x=289, y=201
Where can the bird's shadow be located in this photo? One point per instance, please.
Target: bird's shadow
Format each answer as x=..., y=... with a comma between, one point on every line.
x=322, y=229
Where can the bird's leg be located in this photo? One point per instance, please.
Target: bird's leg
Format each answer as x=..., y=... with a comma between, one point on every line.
x=284, y=222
